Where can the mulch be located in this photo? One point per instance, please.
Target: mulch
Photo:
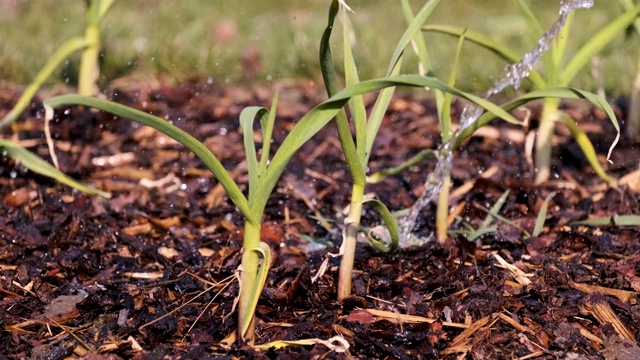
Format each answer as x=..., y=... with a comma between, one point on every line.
x=150, y=272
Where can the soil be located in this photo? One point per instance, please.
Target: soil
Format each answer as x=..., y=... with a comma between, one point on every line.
x=149, y=273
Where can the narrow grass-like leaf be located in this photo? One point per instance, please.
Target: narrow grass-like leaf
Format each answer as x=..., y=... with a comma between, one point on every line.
x=69, y=47
x=615, y=220
x=247, y=117
x=495, y=209
x=319, y=116
x=382, y=103
x=472, y=236
x=267, y=124
x=328, y=71
x=199, y=149
x=412, y=29
x=391, y=224
x=503, y=219
x=542, y=215
x=356, y=103
x=586, y=146
x=104, y=7
x=39, y=166
x=377, y=113
x=497, y=48
x=534, y=26
x=597, y=42
x=264, y=251
x=563, y=93
x=414, y=160
x=559, y=47
x=420, y=48
x=445, y=116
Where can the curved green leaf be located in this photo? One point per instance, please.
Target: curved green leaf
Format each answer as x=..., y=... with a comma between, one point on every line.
x=414, y=160
x=319, y=116
x=69, y=47
x=563, y=92
x=504, y=52
x=247, y=117
x=356, y=103
x=39, y=166
x=328, y=71
x=615, y=220
x=597, y=43
x=191, y=143
x=267, y=126
x=533, y=24
x=412, y=29
x=542, y=215
x=256, y=289
x=391, y=224
x=586, y=146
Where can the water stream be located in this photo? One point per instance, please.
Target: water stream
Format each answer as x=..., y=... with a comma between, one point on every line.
x=511, y=76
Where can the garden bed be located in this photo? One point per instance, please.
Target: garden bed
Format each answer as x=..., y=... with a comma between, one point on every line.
x=149, y=273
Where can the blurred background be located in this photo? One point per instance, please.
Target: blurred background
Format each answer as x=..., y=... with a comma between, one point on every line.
x=248, y=41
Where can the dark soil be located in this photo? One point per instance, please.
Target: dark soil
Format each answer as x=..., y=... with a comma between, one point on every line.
x=149, y=273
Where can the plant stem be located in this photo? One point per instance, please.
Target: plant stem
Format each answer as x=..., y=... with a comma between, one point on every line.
x=352, y=225
x=442, y=212
x=250, y=260
x=72, y=45
x=89, y=67
x=543, y=140
x=633, y=119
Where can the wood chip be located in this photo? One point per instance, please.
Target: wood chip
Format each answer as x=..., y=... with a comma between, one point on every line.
x=623, y=295
x=520, y=276
x=596, y=305
x=400, y=318
x=168, y=253
x=506, y=318
x=460, y=343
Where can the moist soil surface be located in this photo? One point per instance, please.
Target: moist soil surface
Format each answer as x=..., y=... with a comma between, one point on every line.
x=150, y=272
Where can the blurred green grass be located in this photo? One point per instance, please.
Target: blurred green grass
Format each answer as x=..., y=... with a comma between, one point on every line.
x=242, y=42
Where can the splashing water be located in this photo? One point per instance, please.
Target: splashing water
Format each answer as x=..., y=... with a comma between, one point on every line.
x=511, y=76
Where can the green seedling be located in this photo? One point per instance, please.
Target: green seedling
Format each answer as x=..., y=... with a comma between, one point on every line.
x=89, y=44
x=357, y=152
x=487, y=226
x=89, y=69
x=560, y=71
x=615, y=220
x=443, y=106
x=41, y=167
x=263, y=174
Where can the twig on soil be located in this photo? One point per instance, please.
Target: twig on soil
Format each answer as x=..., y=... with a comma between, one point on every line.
x=73, y=335
x=520, y=276
x=623, y=295
x=460, y=343
x=228, y=280
x=596, y=305
x=210, y=302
